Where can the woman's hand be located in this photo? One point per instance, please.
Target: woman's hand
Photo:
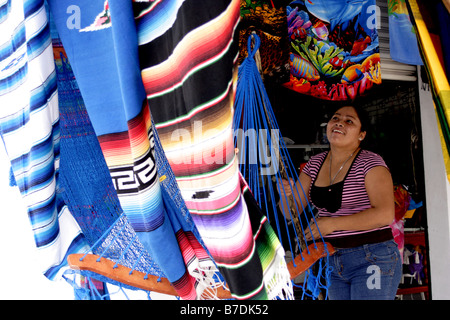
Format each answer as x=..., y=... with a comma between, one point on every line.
x=324, y=224
x=284, y=187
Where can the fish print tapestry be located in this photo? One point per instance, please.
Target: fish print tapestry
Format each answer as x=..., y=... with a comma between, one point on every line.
x=402, y=37
x=188, y=55
x=334, y=50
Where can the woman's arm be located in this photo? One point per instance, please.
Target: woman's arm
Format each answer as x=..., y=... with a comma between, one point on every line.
x=380, y=190
x=300, y=191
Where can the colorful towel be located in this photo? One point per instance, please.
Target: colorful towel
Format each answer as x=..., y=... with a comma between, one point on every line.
x=334, y=48
x=29, y=123
x=402, y=37
x=188, y=51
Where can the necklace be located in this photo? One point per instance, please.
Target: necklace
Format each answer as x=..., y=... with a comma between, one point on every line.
x=342, y=166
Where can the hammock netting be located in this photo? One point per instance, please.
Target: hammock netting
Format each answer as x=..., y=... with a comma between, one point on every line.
x=264, y=161
x=84, y=176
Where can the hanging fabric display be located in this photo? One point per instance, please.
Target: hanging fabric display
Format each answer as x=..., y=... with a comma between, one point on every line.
x=402, y=37
x=176, y=58
x=334, y=53
x=93, y=202
x=187, y=54
x=29, y=123
x=105, y=63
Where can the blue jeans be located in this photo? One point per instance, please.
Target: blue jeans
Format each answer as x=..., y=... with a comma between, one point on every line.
x=368, y=272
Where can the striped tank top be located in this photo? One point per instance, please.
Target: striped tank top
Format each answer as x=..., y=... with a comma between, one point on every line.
x=354, y=198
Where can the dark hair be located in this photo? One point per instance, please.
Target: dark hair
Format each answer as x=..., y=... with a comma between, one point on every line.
x=360, y=111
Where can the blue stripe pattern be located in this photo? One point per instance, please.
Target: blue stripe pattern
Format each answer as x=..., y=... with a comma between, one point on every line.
x=29, y=125
x=4, y=10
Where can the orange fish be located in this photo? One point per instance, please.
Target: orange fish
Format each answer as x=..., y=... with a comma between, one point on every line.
x=337, y=63
x=360, y=45
x=352, y=74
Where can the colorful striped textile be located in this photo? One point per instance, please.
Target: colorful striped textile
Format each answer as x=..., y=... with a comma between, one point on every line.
x=29, y=123
x=188, y=55
x=104, y=59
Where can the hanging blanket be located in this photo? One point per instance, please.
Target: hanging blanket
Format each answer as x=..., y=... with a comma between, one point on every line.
x=104, y=59
x=187, y=53
x=402, y=37
x=334, y=48
x=29, y=123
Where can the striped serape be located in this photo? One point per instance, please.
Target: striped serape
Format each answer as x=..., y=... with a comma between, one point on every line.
x=188, y=54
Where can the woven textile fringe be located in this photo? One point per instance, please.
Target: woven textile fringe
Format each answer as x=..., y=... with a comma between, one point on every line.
x=277, y=281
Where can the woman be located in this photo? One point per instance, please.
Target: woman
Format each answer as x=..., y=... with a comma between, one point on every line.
x=352, y=189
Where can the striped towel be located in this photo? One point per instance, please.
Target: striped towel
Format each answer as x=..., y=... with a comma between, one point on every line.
x=29, y=126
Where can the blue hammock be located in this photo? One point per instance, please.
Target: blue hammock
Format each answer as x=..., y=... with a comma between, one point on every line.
x=264, y=161
x=93, y=202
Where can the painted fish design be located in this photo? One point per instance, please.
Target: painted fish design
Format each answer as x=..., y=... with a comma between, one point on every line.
x=302, y=68
x=360, y=45
x=337, y=62
x=320, y=30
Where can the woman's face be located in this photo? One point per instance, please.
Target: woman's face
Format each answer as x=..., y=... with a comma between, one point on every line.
x=344, y=128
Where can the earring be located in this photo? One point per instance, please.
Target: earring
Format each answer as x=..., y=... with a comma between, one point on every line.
x=360, y=139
